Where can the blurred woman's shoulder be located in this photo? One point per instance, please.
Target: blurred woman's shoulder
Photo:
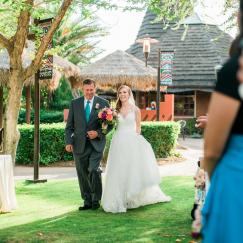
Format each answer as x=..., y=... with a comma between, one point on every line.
x=227, y=82
x=231, y=65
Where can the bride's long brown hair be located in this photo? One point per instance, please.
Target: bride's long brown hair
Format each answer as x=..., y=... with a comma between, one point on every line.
x=118, y=102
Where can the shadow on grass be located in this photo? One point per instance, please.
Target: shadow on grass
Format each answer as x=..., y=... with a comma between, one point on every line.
x=163, y=222
x=137, y=225
x=53, y=191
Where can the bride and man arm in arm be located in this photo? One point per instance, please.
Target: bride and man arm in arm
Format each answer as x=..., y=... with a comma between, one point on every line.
x=132, y=176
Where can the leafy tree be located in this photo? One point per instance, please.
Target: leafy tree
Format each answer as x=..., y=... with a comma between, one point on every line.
x=172, y=11
x=15, y=41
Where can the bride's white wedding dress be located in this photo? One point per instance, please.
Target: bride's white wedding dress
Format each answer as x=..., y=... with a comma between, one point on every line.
x=132, y=175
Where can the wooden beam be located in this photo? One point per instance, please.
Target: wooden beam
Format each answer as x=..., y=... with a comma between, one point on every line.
x=37, y=132
x=137, y=98
x=158, y=90
x=37, y=128
x=1, y=106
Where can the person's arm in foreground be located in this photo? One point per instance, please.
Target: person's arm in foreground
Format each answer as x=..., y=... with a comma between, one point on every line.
x=222, y=112
x=201, y=122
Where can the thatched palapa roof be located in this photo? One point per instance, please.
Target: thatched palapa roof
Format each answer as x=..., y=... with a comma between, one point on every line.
x=199, y=48
x=120, y=68
x=61, y=67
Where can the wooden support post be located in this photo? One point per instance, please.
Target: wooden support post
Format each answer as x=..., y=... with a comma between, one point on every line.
x=1, y=106
x=37, y=132
x=158, y=90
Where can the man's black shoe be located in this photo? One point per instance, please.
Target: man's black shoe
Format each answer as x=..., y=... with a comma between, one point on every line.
x=95, y=206
x=85, y=207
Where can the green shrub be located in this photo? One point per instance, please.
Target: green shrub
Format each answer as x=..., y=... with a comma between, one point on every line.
x=21, y=118
x=52, y=144
x=51, y=116
x=25, y=150
x=62, y=96
x=45, y=116
x=161, y=135
x=190, y=128
x=61, y=105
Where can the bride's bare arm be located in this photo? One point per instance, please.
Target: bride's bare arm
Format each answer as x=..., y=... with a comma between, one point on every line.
x=138, y=120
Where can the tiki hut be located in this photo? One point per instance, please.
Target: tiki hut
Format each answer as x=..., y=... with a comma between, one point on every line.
x=120, y=68
x=199, y=48
x=61, y=67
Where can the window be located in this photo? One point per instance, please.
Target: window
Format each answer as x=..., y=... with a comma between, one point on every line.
x=184, y=105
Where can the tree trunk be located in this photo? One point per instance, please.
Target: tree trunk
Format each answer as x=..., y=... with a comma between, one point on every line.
x=11, y=133
x=28, y=104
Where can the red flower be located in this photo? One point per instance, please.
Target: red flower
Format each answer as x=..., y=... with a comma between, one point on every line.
x=109, y=117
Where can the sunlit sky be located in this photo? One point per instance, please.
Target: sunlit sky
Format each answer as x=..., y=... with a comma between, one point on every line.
x=123, y=26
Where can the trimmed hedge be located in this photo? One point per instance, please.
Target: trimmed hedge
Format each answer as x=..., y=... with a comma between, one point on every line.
x=45, y=116
x=161, y=135
x=52, y=144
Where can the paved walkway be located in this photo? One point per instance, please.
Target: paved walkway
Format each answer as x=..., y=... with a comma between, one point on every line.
x=190, y=149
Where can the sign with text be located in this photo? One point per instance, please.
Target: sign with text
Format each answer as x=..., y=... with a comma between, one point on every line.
x=166, y=65
x=46, y=69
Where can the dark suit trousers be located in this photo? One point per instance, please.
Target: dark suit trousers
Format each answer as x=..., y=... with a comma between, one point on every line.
x=89, y=174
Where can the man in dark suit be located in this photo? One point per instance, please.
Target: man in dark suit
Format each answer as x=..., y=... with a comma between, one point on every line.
x=84, y=137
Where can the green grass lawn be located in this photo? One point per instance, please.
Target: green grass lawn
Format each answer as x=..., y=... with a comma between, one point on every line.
x=48, y=213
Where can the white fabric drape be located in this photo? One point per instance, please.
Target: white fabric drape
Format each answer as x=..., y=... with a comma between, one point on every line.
x=7, y=186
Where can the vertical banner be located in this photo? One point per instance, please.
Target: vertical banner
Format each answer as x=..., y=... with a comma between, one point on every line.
x=47, y=65
x=166, y=65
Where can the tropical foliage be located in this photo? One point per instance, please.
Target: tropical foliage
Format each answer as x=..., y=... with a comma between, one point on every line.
x=77, y=40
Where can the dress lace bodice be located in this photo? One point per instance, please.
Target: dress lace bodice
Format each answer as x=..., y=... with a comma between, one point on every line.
x=128, y=122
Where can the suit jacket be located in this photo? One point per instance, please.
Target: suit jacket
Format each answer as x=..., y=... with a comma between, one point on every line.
x=77, y=127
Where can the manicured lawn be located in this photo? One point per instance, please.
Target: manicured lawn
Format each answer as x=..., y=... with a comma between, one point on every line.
x=48, y=213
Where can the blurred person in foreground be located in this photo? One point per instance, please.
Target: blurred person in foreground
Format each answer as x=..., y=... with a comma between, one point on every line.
x=223, y=158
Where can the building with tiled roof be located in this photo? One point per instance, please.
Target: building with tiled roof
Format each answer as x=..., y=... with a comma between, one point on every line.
x=199, y=48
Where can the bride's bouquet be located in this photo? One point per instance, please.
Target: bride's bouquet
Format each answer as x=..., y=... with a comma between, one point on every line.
x=107, y=116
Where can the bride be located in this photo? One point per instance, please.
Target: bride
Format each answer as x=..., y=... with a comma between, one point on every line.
x=132, y=176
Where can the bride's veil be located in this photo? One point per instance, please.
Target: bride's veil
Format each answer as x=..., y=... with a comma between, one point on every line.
x=131, y=98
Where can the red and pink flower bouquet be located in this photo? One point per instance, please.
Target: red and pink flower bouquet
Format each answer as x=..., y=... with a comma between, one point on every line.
x=107, y=116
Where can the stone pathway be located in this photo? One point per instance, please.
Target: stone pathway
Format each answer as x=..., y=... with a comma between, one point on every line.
x=190, y=149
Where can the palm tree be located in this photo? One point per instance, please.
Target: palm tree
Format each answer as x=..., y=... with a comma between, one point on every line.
x=77, y=40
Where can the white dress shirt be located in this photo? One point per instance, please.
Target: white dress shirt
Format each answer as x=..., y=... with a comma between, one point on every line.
x=90, y=104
